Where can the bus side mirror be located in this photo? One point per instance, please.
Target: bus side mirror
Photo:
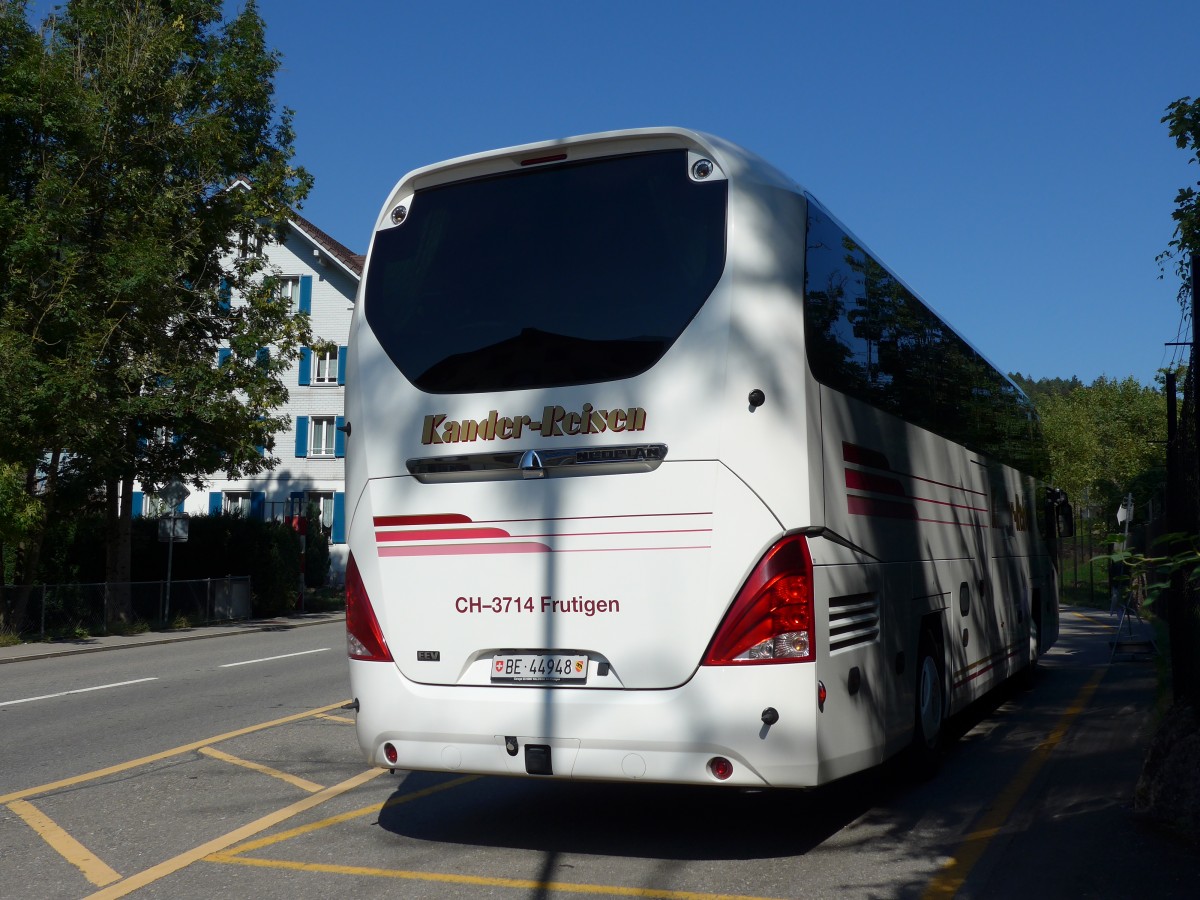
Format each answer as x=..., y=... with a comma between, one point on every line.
x=1066, y=520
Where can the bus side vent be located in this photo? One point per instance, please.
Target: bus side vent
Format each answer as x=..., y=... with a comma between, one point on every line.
x=853, y=621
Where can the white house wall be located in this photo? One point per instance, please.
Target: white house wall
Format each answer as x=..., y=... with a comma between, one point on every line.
x=333, y=288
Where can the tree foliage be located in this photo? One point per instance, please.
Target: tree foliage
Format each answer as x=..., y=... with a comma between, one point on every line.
x=1183, y=122
x=124, y=125
x=1106, y=439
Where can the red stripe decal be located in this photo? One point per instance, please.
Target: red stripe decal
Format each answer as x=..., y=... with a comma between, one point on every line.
x=463, y=549
x=867, y=506
x=864, y=456
x=432, y=519
x=441, y=534
x=864, y=481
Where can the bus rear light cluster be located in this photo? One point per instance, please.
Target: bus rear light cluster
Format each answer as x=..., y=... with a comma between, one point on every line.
x=364, y=639
x=771, y=619
x=390, y=754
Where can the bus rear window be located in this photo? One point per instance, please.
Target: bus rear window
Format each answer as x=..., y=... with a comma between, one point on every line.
x=568, y=274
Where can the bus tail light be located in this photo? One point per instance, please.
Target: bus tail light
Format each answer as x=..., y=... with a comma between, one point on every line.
x=771, y=620
x=364, y=640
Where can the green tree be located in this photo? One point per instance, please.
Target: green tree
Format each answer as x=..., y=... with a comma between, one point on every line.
x=1105, y=439
x=1183, y=122
x=127, y=124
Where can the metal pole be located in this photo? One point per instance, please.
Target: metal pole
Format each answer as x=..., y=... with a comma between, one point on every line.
x=170, y=554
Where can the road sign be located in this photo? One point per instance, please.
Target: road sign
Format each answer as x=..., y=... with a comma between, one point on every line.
x=174, y=493
x=174, y=529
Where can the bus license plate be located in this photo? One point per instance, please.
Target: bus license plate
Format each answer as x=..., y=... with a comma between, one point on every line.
x=539, y=667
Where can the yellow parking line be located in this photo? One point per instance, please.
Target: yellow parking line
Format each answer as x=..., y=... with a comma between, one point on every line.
x=954, y=873
x=341, y=817
x=93, y=868
x=295, y=780
x=566, y=887
x=165, y=754
x=345, y=720
x=183, y=860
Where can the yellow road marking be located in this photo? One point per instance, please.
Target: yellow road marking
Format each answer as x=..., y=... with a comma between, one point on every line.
x=183, y=860
x=954, y=873
x=1095, y=620
x=93, y=868
x=345, y=720
x=165, y=754
x=303, y=783
x=342, y=817
x=566, y=887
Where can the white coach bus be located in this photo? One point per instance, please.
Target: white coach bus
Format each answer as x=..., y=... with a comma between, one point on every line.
x=655, y=473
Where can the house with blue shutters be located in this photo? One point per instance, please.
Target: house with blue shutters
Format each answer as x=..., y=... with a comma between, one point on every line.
x=320, y=277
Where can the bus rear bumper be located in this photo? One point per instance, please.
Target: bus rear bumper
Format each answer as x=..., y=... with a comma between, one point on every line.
x=664, y=736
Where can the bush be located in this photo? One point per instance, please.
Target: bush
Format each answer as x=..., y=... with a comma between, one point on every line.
x=217, y=546
x=316, y=550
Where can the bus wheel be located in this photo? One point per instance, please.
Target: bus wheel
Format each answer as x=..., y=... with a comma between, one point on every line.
x=1029, y=675
x=930, y=707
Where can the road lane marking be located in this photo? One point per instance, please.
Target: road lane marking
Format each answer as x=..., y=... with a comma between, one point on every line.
x=295, y=780
x=566, y=887
x=1094, y=620
x=99, y=687
x=234, y=855
x=250, y=662
x=227, y=855
x=165, y=754
x=93, y=868
x=954, y=872
x=345, y=720
x=183, y=860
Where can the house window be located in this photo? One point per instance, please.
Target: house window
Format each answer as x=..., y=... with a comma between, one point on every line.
x=287, y=290
x=154, y=507
x=249, y=245
x=322, y=434
x=322, y=501
x=326, y=363
x=236, y=503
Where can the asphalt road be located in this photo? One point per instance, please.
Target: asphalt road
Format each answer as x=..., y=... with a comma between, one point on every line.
x=226, y=767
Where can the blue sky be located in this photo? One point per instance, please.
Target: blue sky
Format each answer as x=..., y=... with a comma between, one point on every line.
x=1005, y=159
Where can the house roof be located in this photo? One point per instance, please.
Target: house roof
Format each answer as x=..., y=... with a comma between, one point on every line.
x=346, y=258
x=349, y=260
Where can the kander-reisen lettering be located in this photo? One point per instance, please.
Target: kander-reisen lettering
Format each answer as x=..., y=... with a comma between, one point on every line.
x=555, y=421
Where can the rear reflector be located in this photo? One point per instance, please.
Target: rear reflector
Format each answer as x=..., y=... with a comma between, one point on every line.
x=364, y=640
x=771, y=620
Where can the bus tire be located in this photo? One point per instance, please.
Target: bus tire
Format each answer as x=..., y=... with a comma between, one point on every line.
x=1030, y=672
x=930, y=707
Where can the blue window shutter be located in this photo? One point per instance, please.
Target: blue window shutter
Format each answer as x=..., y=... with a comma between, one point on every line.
x=258, y=505
x=305, y=365
x=262, y=356
x=306, y=294
x=302, y=436
x=224, y=301
x=138, y=498
x=342, y=364
x=338, y=532
x=214, y=503
x=339, y=436
x=222, y=355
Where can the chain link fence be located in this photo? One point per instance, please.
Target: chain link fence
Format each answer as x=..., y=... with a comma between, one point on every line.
x=69, y=610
